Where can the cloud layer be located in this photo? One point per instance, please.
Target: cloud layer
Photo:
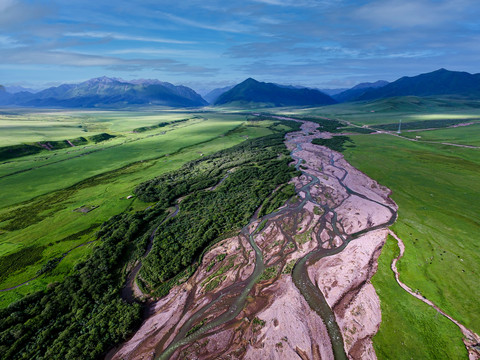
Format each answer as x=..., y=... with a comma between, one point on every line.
x=308, y=42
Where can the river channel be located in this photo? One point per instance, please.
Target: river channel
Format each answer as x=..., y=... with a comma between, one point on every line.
x=238, y=292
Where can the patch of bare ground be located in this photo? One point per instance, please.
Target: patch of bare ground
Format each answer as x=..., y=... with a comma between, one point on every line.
x=273, y=319
x=344, y=279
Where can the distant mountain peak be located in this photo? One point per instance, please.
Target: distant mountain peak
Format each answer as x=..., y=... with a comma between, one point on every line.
x=367, y=85
x=250, y=80
x=103, y=80
x=270, y=94
x=214, y=94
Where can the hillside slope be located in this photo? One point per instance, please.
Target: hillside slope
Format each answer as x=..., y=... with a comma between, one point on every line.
x=439, y=82
x=253, y=91
x=358, y=90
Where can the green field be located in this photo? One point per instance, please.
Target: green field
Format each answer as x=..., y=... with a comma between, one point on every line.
x=388, y=111
x=28, y=125
x=465, y=135
x=38, y=221
x=410, y=329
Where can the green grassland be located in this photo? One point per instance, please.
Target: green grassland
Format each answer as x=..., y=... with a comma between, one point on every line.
x=114, y=154
x=410, y=329
x=436, y=187
x=32, y=125
x=37, y=206
x=437, y=190
x=388, y=111
x=465, y=135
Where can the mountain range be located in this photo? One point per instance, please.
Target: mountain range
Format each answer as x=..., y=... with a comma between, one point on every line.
x=13, y=89
x=441, y=82
x=107, y=92
x=113, y=92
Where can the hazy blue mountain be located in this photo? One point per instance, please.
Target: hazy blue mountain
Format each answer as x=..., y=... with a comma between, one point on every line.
x=213, y=95
x=268, y=94
x=439, y=82
x=14, y=89
x=331, y=92
x=4, y=95
x=109, y=92
x=358, y=90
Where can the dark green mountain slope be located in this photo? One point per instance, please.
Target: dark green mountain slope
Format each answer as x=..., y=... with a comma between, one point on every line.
x=440, y=82
x=358, y=90
x=253, y=91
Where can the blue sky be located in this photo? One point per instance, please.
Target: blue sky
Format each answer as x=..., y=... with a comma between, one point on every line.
x=208, y=44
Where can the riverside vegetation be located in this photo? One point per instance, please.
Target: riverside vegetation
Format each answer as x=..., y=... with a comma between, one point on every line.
x=83, y=316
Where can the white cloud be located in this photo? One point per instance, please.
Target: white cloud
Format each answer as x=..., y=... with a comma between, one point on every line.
x=170, y=52
x=5, y=4
x=7, y=41
x=109, y=35
x=232, y=27
x=411, y=13
x=27, y=56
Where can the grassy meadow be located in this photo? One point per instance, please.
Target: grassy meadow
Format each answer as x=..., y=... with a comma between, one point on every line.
x=390, y=111
x=42, y=194
x=464, y=135
x=410, y=329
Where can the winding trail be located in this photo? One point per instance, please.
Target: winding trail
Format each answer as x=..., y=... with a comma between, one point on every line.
x=392, y=133
x=471, y=340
